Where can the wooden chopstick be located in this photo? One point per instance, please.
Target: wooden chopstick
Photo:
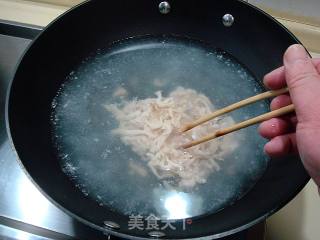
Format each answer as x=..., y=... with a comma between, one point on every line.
x=232, y=107
x=235, y=127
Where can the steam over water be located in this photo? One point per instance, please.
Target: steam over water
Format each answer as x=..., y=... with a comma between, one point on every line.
x=103, y=168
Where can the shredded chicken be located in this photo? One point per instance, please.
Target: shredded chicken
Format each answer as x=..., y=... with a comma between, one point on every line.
x=149, y=127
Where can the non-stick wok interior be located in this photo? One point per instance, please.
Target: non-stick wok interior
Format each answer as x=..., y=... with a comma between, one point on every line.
x=92, y=154
x=254, y=40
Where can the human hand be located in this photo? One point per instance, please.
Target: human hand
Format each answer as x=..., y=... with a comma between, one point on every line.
x=299, y=133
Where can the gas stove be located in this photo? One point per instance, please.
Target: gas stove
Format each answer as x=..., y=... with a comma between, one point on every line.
x=25, y=214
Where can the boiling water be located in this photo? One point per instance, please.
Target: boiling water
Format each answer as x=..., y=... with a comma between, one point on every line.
x=106, y=170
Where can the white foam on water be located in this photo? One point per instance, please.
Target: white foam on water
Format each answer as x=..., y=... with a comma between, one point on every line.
x=98, y=162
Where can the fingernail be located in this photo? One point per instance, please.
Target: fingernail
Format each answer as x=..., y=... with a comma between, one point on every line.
x=272, y=145
x=295, y=53
x=265, y=82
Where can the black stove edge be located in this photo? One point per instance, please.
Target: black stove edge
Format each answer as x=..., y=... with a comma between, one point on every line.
x=38, y=231
x=20, y=30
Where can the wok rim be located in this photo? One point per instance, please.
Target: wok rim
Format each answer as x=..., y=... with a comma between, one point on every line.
x=108, y=231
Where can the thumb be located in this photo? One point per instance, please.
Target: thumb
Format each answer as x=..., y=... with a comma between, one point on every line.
x=303, y=81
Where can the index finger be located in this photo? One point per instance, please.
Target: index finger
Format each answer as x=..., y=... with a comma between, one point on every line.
x=276, y=79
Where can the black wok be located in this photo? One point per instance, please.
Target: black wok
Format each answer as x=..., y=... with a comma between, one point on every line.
x=255, y=39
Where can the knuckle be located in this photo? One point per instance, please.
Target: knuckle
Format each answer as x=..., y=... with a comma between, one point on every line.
x=302, y=78
x=309, y=126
